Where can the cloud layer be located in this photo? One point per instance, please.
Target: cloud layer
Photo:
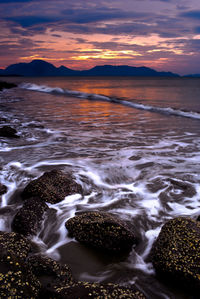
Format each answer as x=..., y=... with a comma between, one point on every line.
x=163, y=34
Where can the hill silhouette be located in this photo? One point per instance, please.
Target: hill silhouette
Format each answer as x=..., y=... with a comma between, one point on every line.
x=43, y=68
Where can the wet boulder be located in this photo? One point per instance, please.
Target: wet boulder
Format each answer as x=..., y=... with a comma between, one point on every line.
x=176, y=252
x=28, y=219
x=50, y=273
x=16, y=279
x=15, y=243
x=52, y=187
x=96, y=290
x=101, y=230
x=6, y=85
x=3, y=189
x=7, y=131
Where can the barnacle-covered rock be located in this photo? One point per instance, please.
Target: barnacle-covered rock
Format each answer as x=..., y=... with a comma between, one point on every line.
x=85, y=290
x=3, y=189
x=176, y=252
x=52, y=187
x=16, y=279
x=7, y=131
x=16, y=243
x=101, y=230
x=50, y=273
x=28, y=218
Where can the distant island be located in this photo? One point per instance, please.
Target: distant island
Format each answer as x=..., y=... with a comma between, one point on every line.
x=40, y=68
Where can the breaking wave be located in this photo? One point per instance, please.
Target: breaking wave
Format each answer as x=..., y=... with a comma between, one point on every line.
x=99, y=97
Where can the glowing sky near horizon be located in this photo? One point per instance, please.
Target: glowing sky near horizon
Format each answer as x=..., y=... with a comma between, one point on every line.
x=162, y=34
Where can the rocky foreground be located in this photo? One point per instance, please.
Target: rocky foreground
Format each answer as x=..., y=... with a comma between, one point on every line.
x=23, y=274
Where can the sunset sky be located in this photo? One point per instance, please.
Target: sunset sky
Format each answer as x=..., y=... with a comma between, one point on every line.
x=79, y=34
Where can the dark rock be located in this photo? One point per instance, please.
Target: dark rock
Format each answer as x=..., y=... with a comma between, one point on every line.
x=101, y=230
x=156, y=184
x=16, y=243
x=52, y=187
x=176, y=252
x=6, y=85
x=186, y=189
x=7, y=131
x=16, y=279
x=50, y=273
x=3, y=189
x=28, y=218
x=85, y=290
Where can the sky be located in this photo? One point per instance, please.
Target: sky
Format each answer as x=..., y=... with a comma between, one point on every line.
x=80, y=34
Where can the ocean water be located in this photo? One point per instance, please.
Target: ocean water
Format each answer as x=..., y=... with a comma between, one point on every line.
x=130, y=143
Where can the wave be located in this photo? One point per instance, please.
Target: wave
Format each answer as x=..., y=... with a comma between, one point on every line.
x=99, y=97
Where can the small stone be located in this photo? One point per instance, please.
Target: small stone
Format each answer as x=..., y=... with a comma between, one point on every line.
x=3, y=189
x=7, y=131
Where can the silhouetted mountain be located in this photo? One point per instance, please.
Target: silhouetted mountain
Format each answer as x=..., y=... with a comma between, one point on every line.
x=124, y=70
x=193, y=76
x=43, y=68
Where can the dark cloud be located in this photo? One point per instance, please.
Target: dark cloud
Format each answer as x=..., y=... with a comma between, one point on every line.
x=193, y=14
x=28, y=21
x=197, y=30
x=14, y=1
x=96, y=14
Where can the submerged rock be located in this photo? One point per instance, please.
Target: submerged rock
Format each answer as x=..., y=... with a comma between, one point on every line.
x=16, y=243
x=185, y=188
x=50, y=273
x=7, y=131
x=28, y=219
x=3, y=189
x=101, y=230
x=96, y=290
x=176, y=252
x=52, y=187
x=6, y=85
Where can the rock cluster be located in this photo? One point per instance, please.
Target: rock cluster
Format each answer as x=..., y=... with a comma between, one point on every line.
x=23, y=275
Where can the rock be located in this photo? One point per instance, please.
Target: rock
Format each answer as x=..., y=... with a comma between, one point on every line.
x=186, y=189
x=6, y=85
x=50, y=273
x=176, y=252
x=3, y=189
x=101, y=230
x=7, y=131
x=16, y=279
x=85, y=290
x=16, y=243
x=52, y=187
x=28, y=219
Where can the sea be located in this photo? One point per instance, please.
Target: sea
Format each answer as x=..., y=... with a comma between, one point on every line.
x=134, y=146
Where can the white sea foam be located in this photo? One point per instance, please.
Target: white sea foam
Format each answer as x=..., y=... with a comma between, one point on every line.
x=98, y=97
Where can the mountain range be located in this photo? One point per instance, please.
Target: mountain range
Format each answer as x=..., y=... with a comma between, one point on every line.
x=43, y=68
